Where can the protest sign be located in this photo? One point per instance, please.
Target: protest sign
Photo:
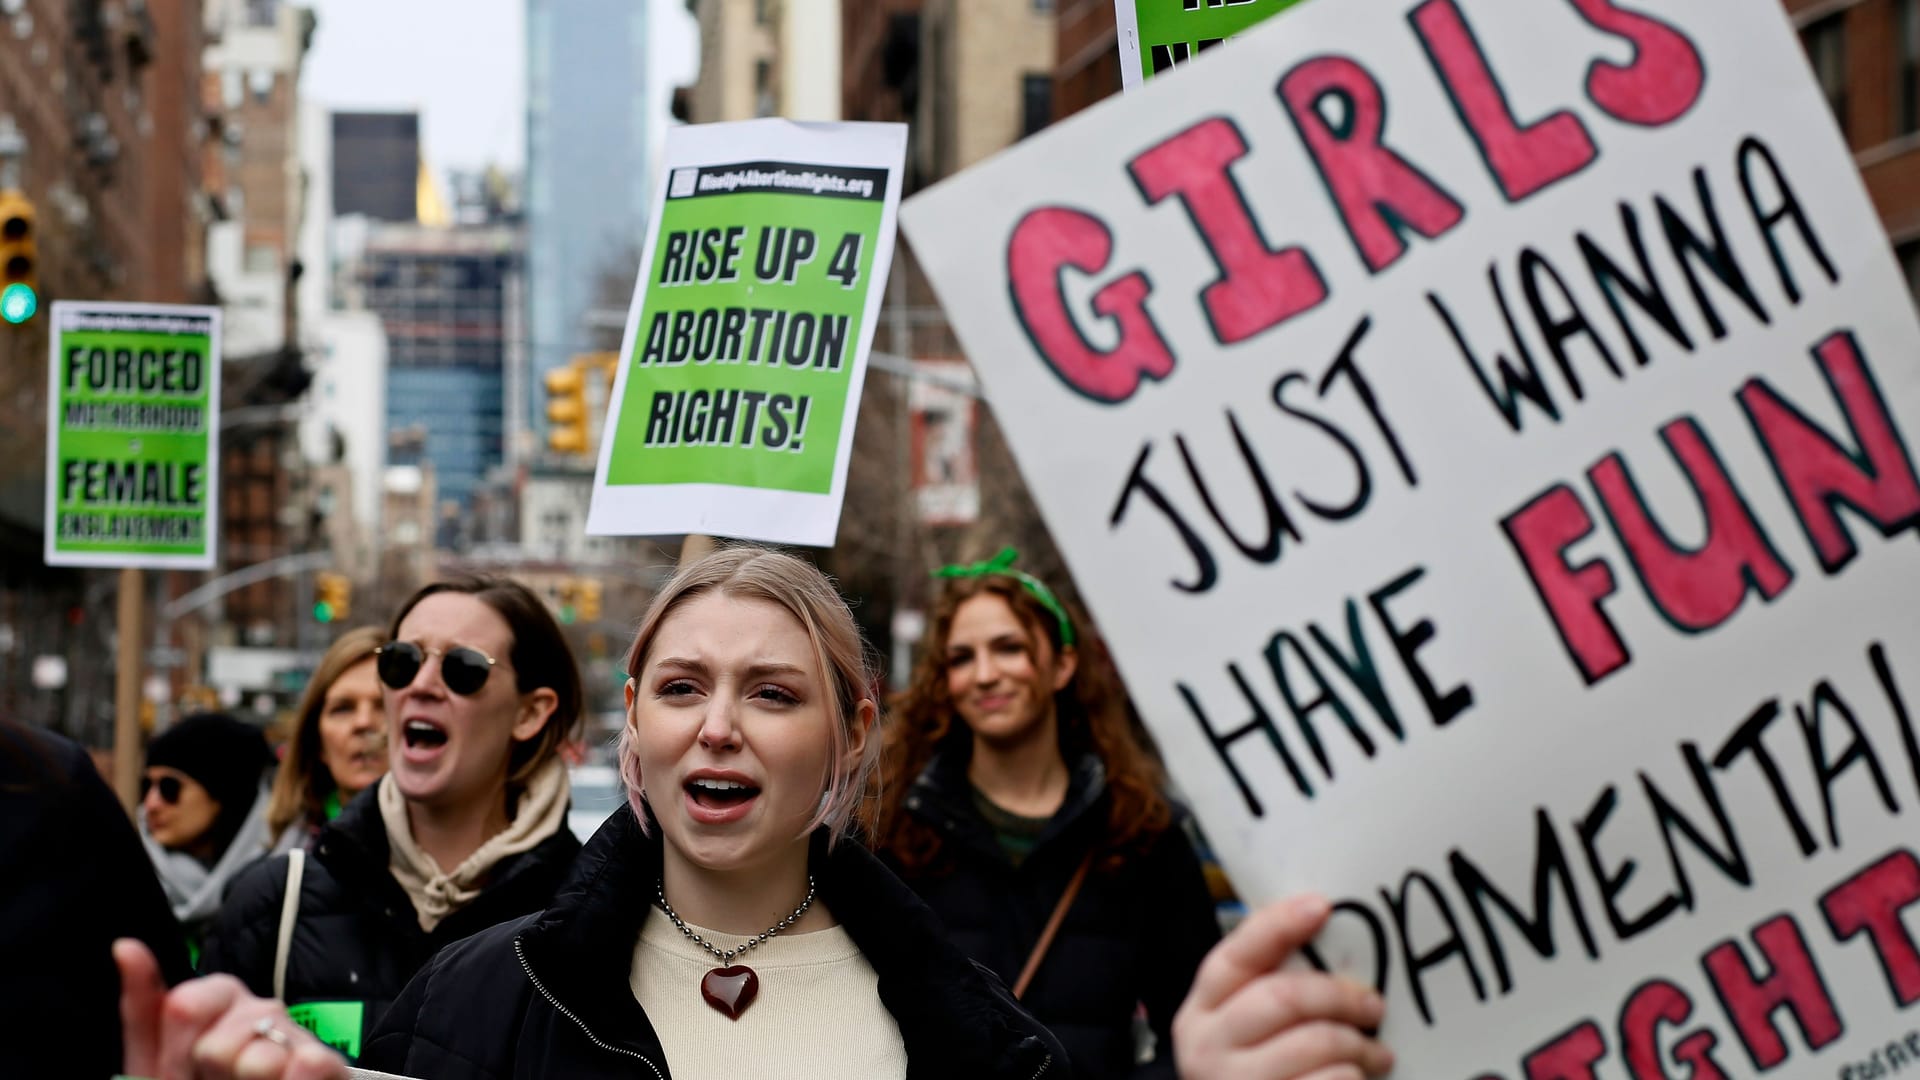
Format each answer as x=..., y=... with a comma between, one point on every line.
x=1515, y=406
x=1155, y=35
x=133, y=435
x=746, y=344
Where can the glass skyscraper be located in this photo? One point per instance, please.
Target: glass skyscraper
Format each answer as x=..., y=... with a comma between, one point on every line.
x=588, y=180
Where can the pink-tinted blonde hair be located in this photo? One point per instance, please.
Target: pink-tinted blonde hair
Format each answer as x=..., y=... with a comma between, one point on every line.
x=839, y=652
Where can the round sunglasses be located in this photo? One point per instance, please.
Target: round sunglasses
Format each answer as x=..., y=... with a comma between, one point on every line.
x=169, y=788
x=463, y=669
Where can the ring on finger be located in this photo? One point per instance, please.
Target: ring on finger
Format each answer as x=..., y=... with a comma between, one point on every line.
x=264, y=1028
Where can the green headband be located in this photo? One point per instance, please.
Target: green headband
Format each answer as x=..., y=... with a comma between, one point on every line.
x=1002, y=564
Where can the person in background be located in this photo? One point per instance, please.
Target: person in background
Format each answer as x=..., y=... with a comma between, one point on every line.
x=1019, y=803
x=75, y=879
x=339, y=743
x=467, y=829
x=203, y=812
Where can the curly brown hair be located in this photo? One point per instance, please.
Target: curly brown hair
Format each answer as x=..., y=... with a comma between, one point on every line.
x=1092, y=713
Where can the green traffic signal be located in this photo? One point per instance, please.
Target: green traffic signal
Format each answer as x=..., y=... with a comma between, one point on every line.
x=567, y=614
x=323, y=612
x=18, y=303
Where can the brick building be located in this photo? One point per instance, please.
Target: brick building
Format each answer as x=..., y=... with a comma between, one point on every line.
x=250, y=91
x=1866, y=55
x=879, y=59
x=1087, y=67
x=102, y=97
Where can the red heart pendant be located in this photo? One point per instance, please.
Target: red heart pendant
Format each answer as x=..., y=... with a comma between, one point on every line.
x=730, y=989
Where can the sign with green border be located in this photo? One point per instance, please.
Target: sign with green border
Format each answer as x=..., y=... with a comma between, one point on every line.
x=337, y=1023
x=133, y=435
x=1156, y=35
x=733, y=408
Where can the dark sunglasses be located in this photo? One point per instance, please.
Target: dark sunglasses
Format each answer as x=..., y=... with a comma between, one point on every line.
x=169, y=788
x=464, y=670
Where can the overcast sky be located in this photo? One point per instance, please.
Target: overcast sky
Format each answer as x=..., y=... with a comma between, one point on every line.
x=459, y=62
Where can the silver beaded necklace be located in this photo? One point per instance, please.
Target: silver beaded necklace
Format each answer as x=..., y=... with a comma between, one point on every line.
x=726, y=956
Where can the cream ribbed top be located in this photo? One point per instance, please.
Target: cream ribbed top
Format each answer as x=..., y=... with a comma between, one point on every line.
x=817, y=1016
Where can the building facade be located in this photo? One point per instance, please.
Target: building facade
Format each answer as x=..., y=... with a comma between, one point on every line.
x=591, y=132
x=986, y=79
x=1866, y=57
x=376, y=164
x=252, y=68
x=442, y=295
x=768, y=58
x=254, y=53
x=1087, y=65
x=102, y=131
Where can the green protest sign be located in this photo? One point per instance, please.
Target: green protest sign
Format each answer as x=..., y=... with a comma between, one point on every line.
x=336, y=1023
x=745, y=351
x=1158, y=34
x=133, y=402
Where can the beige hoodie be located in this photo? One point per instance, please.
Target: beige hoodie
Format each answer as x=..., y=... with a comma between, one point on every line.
x=437, y=894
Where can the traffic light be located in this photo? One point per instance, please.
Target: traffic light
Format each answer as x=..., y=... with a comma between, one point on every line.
x=333, y=597
x=586, y=593
x=569, y=595
x=19, y=259
x=567, y=408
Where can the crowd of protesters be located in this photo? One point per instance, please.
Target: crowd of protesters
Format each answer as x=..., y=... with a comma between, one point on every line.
x=988, y=879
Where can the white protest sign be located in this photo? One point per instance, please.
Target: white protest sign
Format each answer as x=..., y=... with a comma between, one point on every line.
x=746, y=343
x=133, y=435
x=1514, y=406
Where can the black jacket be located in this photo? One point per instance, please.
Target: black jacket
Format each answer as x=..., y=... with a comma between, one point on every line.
x=549, y=995
x=72, y=878
x=1133, y=936
x=357, y=938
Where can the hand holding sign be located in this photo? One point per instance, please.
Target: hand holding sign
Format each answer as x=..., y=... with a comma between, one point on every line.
x=1245, y=1018
x=210, y=1028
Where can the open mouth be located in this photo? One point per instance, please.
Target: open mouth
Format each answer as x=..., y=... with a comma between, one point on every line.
x=712, y=794
x=421, y=735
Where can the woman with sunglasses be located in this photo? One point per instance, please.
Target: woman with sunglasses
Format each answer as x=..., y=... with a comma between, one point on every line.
x=339, y=747
x=203, y=812
x=467, y=829
x=1020, y=805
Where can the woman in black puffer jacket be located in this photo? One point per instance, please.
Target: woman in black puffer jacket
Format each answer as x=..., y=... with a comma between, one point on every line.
x=468, y=829
x=727, y=923
x=1013, y=777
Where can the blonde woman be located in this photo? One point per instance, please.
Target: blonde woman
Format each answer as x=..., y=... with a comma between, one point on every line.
x=727, y=922
x=339, y=744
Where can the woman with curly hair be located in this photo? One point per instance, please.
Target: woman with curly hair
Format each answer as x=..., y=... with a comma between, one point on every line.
x=1019, y=803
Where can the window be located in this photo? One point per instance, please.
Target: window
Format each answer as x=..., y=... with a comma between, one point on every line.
x=763, y=103
x=1908, y=252
x=1036, y=103
x=1826, y=44
x=1906, y=67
